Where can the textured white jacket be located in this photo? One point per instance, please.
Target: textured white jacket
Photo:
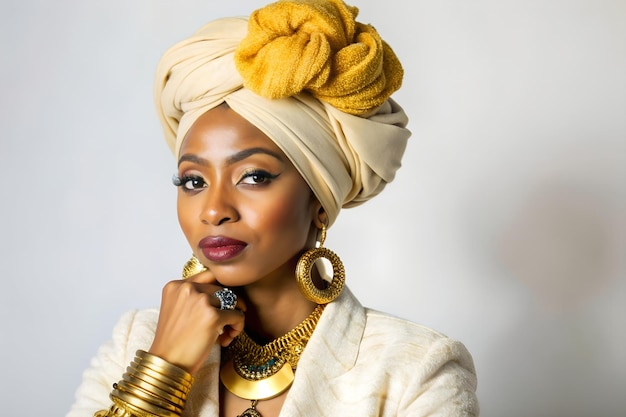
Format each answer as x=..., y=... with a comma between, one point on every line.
x=359, y=362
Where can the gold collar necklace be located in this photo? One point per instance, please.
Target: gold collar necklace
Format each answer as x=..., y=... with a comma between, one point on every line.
x=260, y=372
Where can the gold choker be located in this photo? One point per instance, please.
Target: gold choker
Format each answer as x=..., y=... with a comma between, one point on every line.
x=259, y=372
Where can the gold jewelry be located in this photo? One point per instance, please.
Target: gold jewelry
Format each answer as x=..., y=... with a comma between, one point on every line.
x=164, y=367
x=259, y=372
x=192, y=267
x=305, y=281
x=262, y=389
x=251, y=411
x=147, y=387
x=156, y=375
x=133, y=375
x=143, y=405
x=150, y=387
x=122, y=409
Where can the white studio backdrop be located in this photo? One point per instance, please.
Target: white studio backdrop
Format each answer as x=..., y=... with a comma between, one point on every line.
x=504, y=228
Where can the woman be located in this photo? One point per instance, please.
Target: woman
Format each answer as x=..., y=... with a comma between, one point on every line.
x=277, y=122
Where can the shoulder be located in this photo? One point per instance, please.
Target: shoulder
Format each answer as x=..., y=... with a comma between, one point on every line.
x=412, y=345
x=431, y=370
x=389, y=325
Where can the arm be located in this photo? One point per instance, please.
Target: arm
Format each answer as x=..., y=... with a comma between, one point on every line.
x=105, y=369
x=173, y=334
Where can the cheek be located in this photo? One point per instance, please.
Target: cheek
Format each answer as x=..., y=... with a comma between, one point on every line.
x=282, y=214
x=185, y=214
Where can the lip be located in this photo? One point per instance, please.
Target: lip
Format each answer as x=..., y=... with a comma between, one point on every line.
x=221, y=248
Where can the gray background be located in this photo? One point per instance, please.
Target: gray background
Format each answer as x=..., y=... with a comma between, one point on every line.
x=504, y=228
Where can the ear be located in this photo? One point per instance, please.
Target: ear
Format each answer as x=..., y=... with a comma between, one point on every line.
x=320, y=217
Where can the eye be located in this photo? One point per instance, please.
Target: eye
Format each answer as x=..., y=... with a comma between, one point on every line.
x=257, y=177
x=189, y=182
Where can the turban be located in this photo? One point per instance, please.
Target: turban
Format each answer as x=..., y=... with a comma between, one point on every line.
x=311, y=78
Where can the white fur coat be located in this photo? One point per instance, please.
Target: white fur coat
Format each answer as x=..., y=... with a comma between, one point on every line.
x=359, y=362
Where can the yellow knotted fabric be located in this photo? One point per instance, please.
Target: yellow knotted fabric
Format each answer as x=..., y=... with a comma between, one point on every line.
x=335, y=121
x=318, y=46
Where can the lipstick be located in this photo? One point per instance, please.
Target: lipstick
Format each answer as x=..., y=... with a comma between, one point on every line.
x=221, y=248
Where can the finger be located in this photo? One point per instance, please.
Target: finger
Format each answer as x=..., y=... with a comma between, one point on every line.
x=227, y=337
x=235, y=326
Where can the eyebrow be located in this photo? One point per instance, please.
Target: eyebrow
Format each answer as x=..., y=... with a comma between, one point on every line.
x=239, y=156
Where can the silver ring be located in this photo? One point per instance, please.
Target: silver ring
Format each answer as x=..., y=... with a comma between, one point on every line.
x=228, y=299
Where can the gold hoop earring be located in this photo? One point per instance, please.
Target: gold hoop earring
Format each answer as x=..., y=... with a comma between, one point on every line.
x=303, y=273
x=192, y=267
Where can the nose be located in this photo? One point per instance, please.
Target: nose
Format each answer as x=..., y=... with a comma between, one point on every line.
x=219, y=205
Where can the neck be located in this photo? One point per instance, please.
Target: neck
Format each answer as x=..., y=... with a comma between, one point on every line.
x=273, y=311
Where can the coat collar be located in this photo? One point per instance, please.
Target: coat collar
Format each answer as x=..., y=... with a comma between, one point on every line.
x=335, y=342
x=331, y=351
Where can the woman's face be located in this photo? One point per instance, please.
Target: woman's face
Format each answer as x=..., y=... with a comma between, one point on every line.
x=242, y=205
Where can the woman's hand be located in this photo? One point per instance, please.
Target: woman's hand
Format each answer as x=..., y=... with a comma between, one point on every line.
x=191, y=322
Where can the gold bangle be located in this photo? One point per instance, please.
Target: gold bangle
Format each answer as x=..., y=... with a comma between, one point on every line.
x=150, y=387
x=152, y=391
x=156, y=383
x=163, y=378
x=148, y=397
x=156, y=373
x=128, y=410
x=113, y=411
x=178, y=398
x=121, y=409
x=169, y=378
x=163, y=366
x=143, y=406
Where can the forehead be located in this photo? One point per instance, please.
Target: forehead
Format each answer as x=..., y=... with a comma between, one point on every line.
x=221, y=128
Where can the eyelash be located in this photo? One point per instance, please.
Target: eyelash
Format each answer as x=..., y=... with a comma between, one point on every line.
x=265, y=176
x=182, y=181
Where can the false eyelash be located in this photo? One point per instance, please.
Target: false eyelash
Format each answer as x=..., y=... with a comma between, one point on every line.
x=176, y=180
x=260, y=173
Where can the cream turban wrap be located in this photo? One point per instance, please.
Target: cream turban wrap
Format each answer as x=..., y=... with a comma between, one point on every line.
x=345, y=158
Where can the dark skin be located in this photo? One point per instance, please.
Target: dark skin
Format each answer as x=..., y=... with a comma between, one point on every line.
x=237, y=183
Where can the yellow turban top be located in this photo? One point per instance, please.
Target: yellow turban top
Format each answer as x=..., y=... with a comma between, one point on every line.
x=309, y=76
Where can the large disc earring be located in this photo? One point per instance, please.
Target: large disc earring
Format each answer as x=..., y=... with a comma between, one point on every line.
x=305, y=266
x=192, y=267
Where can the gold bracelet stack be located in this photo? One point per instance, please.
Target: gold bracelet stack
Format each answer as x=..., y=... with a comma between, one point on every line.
x=150, y=387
